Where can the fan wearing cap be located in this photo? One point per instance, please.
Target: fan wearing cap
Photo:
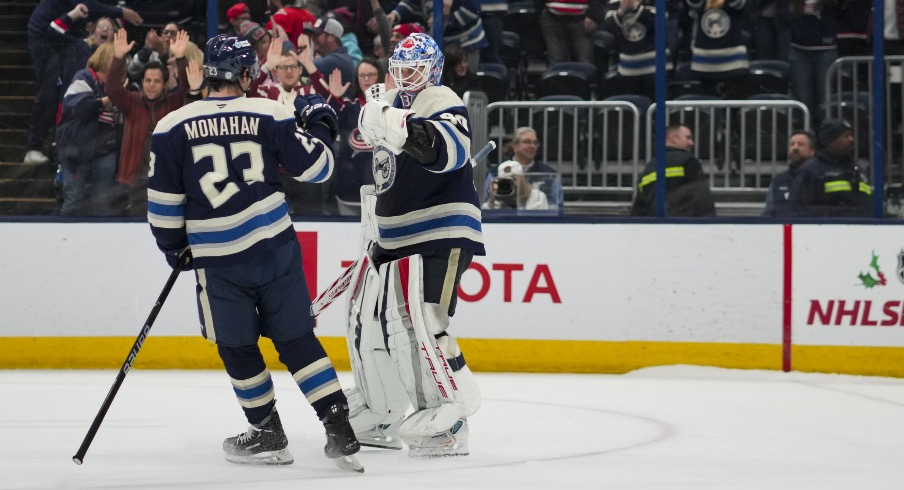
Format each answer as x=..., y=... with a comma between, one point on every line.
x=832, y=184
x=462, y=24
x=401, y=31
x=258, y=37
x=326, y=37
x=346, y=19
x=237, y=14
x=512, y=190
x=292, y=19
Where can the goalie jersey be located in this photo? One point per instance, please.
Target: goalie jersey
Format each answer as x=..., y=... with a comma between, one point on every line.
x=214, y=177
x=435, y=206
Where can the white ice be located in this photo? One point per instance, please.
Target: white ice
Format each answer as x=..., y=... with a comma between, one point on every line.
x=676, y=427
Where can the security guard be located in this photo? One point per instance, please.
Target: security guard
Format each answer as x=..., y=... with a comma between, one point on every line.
x=687, y=191
x=831, y=184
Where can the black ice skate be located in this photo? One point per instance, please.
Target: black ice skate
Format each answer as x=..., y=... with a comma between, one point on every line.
x=260, y=445
x=341, y=443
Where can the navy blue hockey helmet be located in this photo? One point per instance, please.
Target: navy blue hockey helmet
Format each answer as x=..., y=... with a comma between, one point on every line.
x=228, y=57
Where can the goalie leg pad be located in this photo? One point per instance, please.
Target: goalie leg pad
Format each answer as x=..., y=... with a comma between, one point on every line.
x=379, y=401
x=441, y=399
x=467, y=392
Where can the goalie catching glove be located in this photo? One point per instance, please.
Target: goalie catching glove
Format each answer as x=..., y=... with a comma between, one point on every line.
x=383, y=125
x=312, y=109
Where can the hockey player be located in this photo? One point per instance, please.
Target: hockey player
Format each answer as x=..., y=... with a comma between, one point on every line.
x=214, y=188
x=427, y=215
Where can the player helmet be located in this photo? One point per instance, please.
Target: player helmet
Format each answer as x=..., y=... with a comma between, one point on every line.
x=416, y=61
x=229, y=57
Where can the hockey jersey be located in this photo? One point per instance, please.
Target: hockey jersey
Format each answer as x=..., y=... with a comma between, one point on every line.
x=214, y=177
x=435, y=206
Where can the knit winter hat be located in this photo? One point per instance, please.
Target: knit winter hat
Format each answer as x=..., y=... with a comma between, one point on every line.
x=831, y=129
x=252, y=31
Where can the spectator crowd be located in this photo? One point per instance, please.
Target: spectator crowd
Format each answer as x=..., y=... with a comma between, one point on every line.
x=101, y=90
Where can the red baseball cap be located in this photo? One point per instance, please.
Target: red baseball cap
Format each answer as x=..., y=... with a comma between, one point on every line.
x=237, y=10
x=407, y=29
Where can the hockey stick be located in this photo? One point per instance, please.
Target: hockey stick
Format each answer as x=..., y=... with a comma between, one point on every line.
x=133, y=353
x=483, y=153
x=339, y=286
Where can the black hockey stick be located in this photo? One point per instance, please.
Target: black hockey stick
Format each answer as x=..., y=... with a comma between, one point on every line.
x=133, y=353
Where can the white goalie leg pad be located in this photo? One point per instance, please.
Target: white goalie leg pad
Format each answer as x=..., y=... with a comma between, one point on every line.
x=433, y=387
x=379, y=401
x=466, y=391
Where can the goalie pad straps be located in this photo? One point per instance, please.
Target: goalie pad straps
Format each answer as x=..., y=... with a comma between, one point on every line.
x=428, y=377
x=379, y=396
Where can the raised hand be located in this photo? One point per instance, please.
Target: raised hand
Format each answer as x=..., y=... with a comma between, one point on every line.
x=274, y=54
x=121, y=44
x=337, y=88
x=177, y=48
x=153, y=41
x=194, y=72
x=79, y=12
x=306, y=53
x=132, y=16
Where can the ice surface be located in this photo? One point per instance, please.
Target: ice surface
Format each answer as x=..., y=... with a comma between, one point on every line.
x=676, y=427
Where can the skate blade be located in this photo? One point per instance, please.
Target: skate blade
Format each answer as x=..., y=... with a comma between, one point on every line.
x=394, y=445
x=266, y=458
x=380, y=446
x=436, y=452
x=350, y=462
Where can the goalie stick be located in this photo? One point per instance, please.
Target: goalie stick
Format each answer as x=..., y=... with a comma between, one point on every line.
x=339, y=286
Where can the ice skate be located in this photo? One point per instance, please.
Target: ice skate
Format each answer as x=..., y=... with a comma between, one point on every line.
x=453, y=442
x=383, y=436
x=260, y=445
x=341, y=443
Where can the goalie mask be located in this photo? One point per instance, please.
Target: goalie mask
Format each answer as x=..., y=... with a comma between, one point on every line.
x=416, y=61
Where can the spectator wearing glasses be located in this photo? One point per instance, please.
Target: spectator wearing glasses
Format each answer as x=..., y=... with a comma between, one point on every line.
x=54, y=25
x=513, y=190
x=524, y=148
x=76, y=56
x=353, y=155
x=283, y=63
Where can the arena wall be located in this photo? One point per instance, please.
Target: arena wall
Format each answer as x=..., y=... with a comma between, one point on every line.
x=575, y=297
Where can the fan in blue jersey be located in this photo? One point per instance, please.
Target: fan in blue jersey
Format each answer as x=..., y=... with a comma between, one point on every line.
x=214, y=188
x=428, y=228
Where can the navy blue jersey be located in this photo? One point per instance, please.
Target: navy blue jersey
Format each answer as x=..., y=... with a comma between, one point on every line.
x=214, y=177
x=434, y=206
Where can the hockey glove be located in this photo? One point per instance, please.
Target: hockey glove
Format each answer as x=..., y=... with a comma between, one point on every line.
x=383, y=125
x=313, y=109
x=375, y=92
x=179, y=259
